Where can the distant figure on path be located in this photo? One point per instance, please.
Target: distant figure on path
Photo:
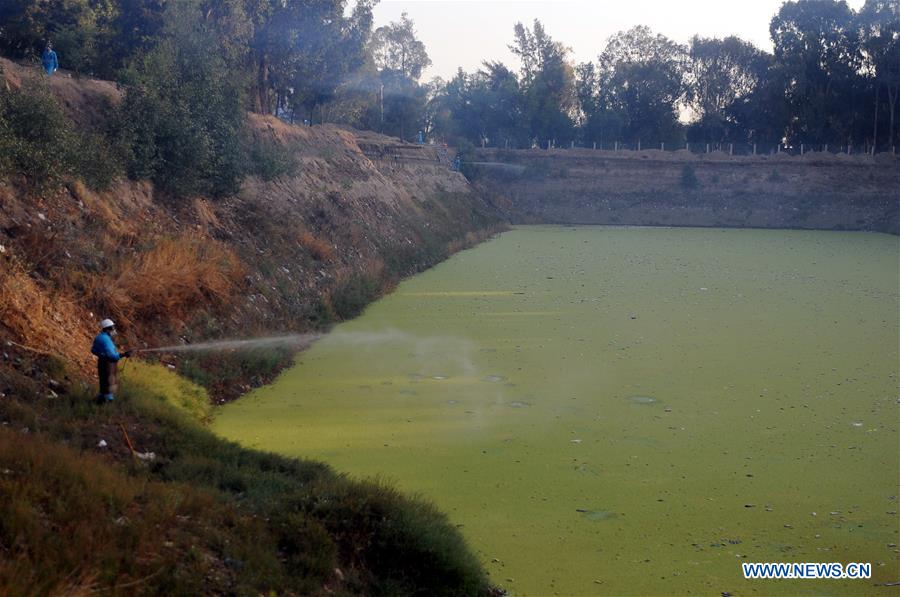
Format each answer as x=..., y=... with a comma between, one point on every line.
x=107, y=360
x=49, y=60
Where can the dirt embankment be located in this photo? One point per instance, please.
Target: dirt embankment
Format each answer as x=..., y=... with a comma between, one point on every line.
x=359, y=212
x=815, y=191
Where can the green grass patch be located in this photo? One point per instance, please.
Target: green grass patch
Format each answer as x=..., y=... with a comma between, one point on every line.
x=152, y=381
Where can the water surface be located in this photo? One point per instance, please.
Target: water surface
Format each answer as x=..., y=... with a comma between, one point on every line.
x=624, y=410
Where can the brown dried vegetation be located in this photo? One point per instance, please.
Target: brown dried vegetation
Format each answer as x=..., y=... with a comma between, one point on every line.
x=168, y=281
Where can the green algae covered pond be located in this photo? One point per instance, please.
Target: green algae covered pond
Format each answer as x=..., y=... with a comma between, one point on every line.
x=624, y=410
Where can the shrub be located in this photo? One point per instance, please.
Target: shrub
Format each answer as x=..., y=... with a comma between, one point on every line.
x=76, y=525
x=182, y=116
x=352, y=295
x=689, y=177
x=775, y=176
x=95, y=161
x=38, y=141
x=270, y=160
x=37, y=137
x=225, y=373
x=407, y=545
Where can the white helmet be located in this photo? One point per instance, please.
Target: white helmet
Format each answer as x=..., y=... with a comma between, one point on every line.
x=107, y=323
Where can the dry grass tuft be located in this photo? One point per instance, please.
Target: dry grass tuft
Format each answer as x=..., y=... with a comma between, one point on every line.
x=104, y=211
x=206, y=215
x=48, y=323
x=320, y=249
x=168, y=281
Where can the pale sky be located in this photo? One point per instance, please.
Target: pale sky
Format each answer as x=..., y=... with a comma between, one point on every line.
x=466, y=32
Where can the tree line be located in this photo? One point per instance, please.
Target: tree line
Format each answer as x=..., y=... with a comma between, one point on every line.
x=833, y=78
x=192, y=68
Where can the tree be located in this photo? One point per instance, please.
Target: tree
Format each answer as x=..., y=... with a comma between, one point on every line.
x=547, y=82
x=134, y=29
x=76, y=28
x=182, y=115
x=396, y=48
x=879, y=25
x=720, y=71
x=484, y=106
x=598, y=121
x=817, y=46
x=326, y=49
x=642, y=78
x=764, y=114
x=400, y=58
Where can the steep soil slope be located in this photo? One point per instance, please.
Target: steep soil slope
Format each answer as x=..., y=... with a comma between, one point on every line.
x=651, y=187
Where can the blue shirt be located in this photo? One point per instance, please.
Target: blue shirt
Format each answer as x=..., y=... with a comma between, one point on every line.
x=49, y=61
x=104, y=348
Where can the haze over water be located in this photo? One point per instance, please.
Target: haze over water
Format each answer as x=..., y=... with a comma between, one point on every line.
x=624, y=410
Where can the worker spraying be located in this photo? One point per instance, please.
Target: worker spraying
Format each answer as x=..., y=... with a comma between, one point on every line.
x=104, y=348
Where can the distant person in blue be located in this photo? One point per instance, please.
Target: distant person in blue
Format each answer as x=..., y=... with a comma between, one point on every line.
x=48, y=59
x=107, y=360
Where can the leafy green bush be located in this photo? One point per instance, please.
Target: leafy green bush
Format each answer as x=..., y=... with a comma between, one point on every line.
x=96, y=160
x=182, y=116
x=36, y=136
x=353, y=294
x=406, y=542
x=224, y=372
x=39, y=142
x=270, y=161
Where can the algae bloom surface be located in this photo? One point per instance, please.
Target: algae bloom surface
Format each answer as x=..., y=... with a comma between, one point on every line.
x=624, y=410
